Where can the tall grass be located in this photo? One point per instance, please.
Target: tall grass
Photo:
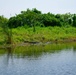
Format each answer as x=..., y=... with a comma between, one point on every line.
x=43, y=34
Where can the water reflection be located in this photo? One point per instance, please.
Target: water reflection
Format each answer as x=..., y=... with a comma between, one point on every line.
x=9, y=54
x=35, y=50
x=52, y=59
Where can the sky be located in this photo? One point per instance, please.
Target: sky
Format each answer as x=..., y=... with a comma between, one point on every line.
x=10, y=8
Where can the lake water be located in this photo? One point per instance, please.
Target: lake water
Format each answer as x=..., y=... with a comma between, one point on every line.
x=53, y=59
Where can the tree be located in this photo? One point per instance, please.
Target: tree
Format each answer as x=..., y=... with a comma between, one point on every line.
x=7, y=32
x=74, y=20
x=50, y=20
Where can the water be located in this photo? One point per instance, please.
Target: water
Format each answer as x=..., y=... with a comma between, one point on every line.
x=55, y=59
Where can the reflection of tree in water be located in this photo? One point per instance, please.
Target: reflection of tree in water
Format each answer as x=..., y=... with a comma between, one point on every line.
x=9, y=54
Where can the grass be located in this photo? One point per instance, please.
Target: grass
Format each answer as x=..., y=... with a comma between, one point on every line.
x=42, y=34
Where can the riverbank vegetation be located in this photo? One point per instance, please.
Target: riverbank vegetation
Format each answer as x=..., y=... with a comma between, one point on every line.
x=35, y=26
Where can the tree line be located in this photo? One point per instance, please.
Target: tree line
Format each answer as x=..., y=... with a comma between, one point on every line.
x=34, y=17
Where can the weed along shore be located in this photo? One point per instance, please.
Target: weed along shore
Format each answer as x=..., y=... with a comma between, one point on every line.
x=42, y=35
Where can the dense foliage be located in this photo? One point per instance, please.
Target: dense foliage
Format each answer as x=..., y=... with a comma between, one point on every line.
x=34, y=17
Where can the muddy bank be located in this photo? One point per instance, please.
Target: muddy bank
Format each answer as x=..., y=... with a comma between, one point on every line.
x=28, y=43
x=25, y=43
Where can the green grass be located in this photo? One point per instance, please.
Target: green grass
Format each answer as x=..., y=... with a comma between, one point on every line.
x=42, y=34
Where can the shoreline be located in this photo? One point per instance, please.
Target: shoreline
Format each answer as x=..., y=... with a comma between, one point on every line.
x=28, y=43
